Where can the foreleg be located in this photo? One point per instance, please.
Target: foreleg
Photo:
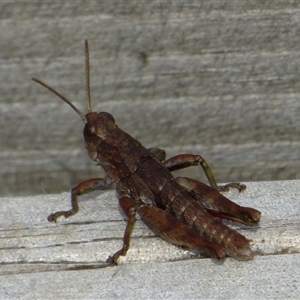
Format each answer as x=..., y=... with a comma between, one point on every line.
x=128, y=206
x=82, y=188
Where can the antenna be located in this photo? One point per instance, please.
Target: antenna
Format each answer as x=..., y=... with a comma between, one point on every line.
x=82, y=116
x=87, y=76
x=87, y=86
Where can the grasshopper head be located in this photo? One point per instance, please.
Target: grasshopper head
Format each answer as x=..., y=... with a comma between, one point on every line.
x=98, y=125
x=96, y=129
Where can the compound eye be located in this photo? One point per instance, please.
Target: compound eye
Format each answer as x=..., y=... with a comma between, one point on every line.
x=107, y=116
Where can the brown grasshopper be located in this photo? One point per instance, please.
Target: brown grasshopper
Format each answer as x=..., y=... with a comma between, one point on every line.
x=180, y=210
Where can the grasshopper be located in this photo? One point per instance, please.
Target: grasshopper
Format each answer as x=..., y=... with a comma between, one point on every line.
x=181, y=210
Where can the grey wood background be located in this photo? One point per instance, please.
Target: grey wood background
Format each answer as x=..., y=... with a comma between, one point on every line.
x=220, y=78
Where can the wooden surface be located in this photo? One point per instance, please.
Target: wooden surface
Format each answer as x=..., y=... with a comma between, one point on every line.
x=65, y=260
x=211, y=77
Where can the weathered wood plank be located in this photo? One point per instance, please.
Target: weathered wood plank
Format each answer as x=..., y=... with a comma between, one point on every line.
x=35, y=254
x=218, y=78
x=266, y=277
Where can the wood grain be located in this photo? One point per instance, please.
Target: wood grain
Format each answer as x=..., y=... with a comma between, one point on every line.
x=36, y=256
x=219, y=79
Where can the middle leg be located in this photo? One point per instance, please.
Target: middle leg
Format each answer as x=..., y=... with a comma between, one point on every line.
x=183, y=161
